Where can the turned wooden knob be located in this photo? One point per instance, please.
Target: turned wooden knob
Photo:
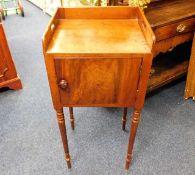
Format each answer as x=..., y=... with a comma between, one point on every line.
x=63, y=84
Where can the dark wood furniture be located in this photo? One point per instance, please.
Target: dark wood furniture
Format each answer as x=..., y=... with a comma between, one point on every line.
x=98, y=57
x=8, y=74
x=190, y=84
x=173, y=23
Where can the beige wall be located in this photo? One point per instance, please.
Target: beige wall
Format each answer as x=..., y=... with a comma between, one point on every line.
x=49, y=6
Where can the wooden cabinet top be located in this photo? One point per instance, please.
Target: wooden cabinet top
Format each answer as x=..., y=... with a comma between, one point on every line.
x=108, y=30
x=167, y=11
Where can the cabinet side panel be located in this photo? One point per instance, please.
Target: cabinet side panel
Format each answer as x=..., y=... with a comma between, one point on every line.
x=143, y=81
x=51, y=73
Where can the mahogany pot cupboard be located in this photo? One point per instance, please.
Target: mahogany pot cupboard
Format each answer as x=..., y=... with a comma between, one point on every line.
x=8, y=74
x=98, y=57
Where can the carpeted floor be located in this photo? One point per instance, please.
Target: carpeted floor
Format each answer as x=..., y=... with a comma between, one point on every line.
x=29, y=138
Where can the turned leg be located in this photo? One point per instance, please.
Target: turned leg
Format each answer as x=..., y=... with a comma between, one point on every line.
x=62, y=127
x=124, y=118
x=71, y=117
x=134, y=125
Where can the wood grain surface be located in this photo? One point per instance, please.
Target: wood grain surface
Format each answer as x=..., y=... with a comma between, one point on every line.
x=98, y=82
x=117, y=36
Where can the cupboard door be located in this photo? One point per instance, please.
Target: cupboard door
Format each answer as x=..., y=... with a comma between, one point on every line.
x=97, y=82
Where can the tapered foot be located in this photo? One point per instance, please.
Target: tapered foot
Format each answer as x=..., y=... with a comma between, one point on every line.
x=62, y=127
x=71, y=117
x=68, y=160
x=124, y=118
x=134, y=126
x=128, y=161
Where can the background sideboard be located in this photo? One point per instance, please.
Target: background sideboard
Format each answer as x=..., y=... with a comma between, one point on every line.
x=8, y=74
x=173, y=23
